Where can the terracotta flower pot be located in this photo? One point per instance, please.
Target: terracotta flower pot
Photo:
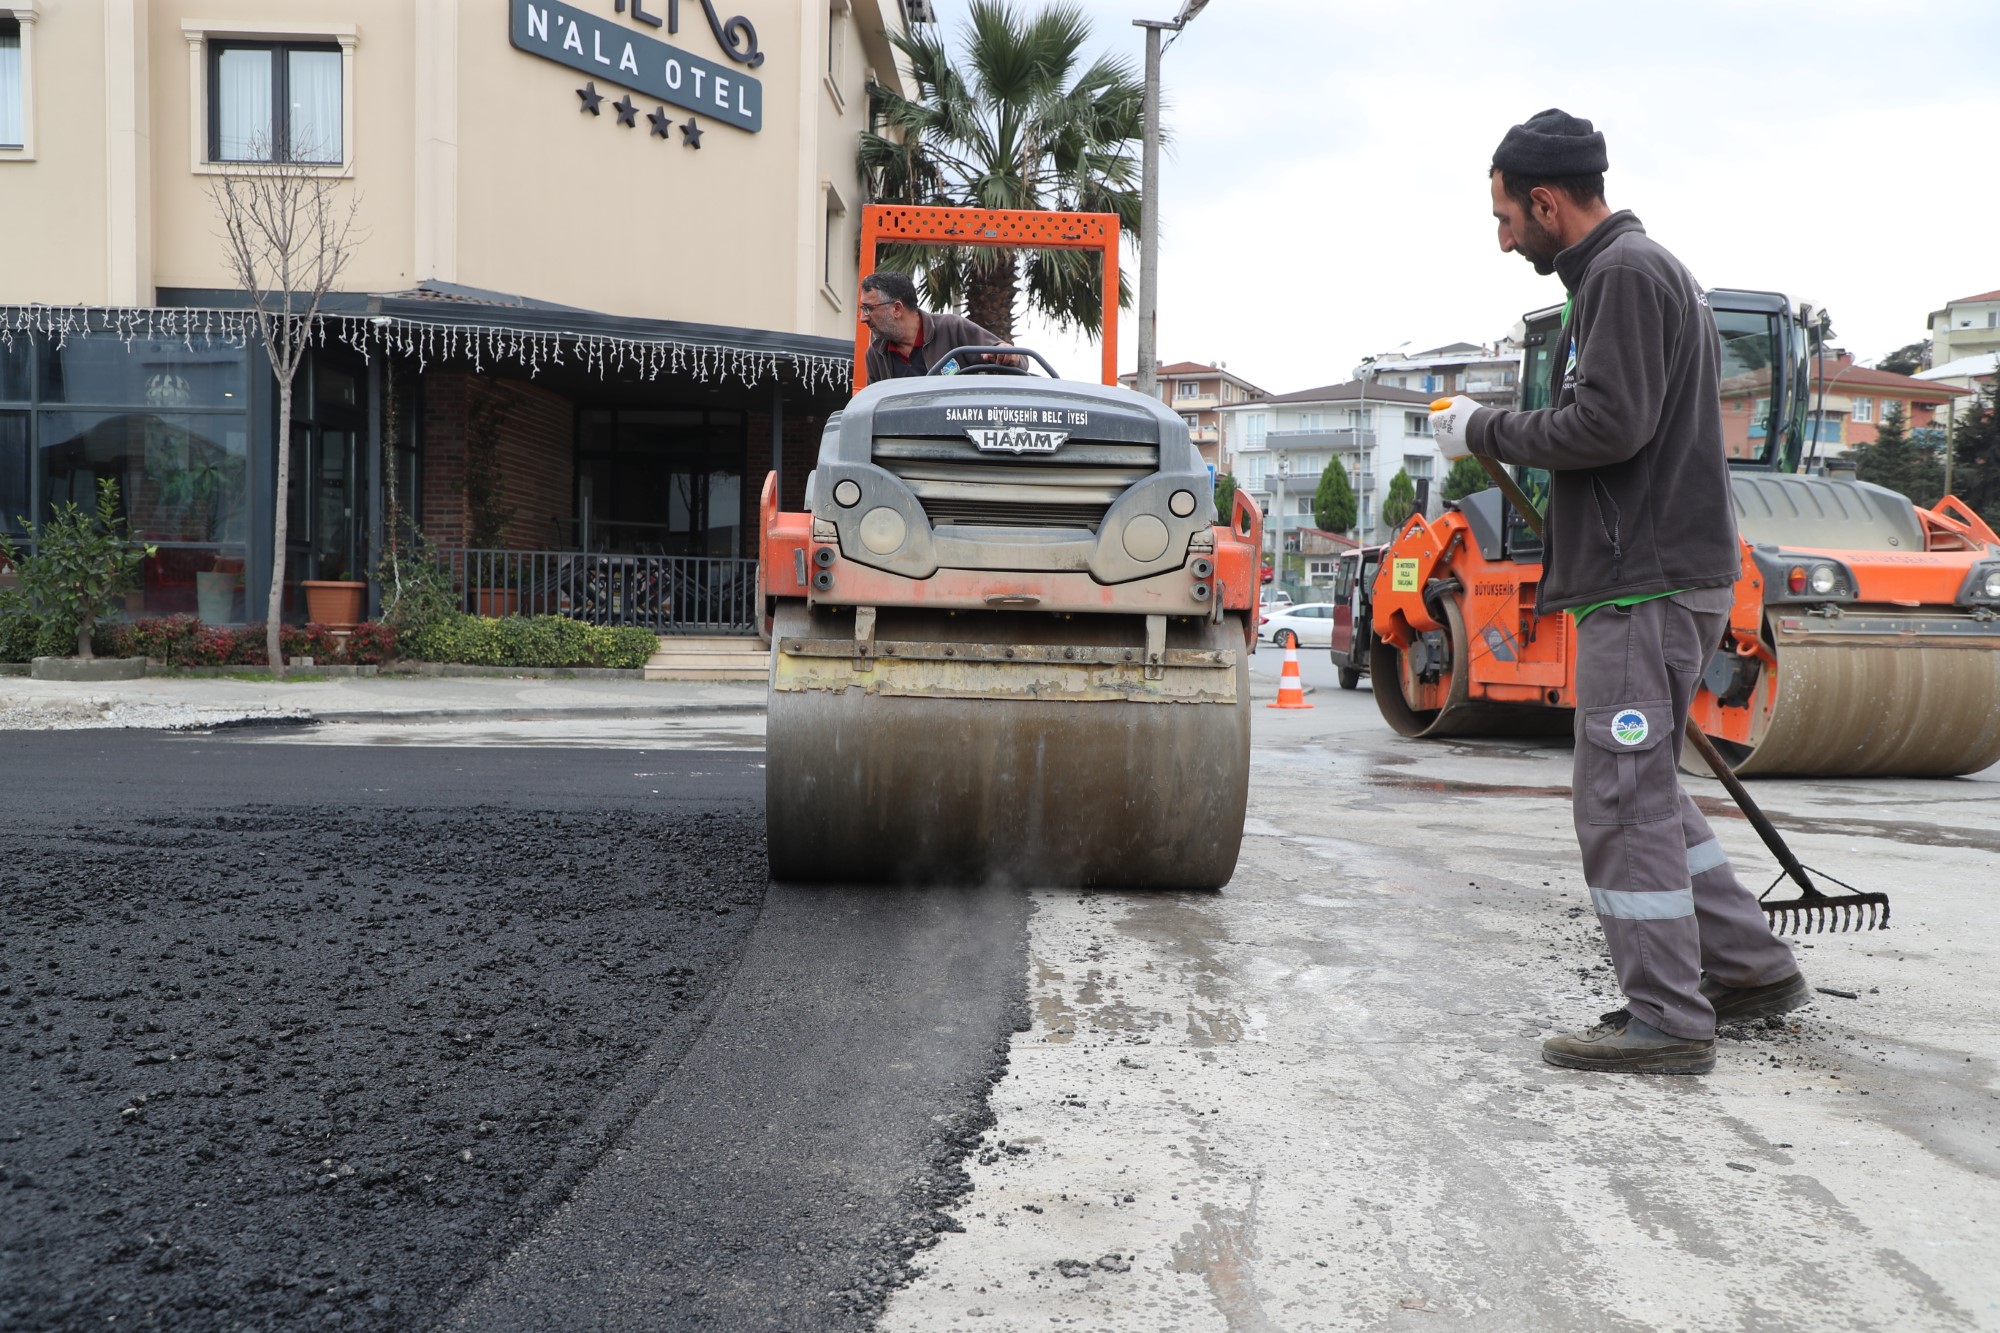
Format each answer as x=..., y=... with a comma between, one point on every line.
x=498, y=601
x=334, y=602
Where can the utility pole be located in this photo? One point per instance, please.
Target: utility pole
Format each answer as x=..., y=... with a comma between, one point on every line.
x=1149, y=196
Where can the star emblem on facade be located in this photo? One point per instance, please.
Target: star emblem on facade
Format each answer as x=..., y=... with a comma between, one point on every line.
x=691, y=133
x=663, y=124
x=591, y=97
x=627, y=112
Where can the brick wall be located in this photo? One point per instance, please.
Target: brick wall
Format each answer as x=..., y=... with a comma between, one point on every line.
x=443, y=465
x=537, y=459
x=802, y=433
x=534, y=460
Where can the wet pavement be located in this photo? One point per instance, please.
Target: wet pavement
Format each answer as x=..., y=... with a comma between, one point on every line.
x=1314, y=1100
x=1310, y=1101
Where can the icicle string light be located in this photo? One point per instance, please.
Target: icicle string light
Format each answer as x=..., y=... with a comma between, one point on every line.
x=430, y=340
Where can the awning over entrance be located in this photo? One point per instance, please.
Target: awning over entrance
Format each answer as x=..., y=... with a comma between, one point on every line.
x=445, y=321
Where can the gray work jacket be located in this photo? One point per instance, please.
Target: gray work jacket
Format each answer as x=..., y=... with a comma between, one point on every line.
x=1639, y=482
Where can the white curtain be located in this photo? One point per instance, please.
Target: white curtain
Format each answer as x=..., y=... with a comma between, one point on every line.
x=243, y=106
x=10, y=89
x=314, y=79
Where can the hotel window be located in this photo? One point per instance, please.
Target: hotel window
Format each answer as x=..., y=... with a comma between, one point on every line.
x=16, y=62
x=836, y=45
x=275, y=102
x=1864, y=409
x=835, y=210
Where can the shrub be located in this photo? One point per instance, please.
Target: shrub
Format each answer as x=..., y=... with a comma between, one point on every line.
x=630, y=647
x=371, y=644
x=82, y=564
x=529, y=641
x=17, y=635
x=418, y=589
x=316, y=641
x=168, y=639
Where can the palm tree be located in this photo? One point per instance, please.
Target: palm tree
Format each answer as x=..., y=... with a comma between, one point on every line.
x=1018, y=125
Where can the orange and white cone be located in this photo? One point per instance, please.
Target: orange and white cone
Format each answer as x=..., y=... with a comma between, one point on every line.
x=1291, y=693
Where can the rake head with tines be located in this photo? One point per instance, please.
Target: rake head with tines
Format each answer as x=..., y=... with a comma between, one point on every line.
x=1816, y=913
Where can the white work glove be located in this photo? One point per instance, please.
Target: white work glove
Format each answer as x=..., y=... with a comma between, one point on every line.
x=1449, y=419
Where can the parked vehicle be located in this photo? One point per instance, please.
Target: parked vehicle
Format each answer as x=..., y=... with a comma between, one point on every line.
x=1353, y=607
x=1309, y=625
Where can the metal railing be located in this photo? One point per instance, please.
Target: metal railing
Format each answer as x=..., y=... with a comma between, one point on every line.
x=669, y=594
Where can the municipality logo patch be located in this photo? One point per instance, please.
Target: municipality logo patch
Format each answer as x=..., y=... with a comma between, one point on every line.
x=1628, y=727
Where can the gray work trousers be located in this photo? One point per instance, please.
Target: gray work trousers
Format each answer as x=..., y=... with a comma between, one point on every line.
x=1670, y=905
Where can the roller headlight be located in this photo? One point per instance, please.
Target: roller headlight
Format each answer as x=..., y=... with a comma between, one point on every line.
x=1816, y=580
x=1989, y=587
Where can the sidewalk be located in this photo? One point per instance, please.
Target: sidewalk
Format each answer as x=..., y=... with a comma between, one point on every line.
x=167, y=702
x=184, y=702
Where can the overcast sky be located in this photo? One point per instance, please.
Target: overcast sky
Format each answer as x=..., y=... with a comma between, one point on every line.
x=1325, y=195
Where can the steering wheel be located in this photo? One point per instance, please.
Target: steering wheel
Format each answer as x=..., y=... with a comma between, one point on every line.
x=971, y=361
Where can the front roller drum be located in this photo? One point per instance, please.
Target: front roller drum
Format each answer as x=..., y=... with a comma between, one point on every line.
x=1850, y=707
x=981, y=771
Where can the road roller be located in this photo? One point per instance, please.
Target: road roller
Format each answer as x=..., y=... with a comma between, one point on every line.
x=1865, y=634
x=1010, y=637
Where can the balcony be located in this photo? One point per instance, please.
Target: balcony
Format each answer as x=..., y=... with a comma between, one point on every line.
x=1341, y=441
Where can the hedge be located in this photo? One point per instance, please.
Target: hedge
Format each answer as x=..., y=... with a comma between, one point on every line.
x=530, y=641
x=184, y=641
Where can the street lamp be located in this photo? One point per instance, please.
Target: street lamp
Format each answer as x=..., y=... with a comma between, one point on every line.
x=1149, y=196
x=1361, y=374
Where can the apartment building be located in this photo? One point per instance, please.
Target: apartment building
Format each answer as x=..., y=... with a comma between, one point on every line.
x=1485, y=372
x=1199, y=393
x=1278, y=446
x=1969, y=326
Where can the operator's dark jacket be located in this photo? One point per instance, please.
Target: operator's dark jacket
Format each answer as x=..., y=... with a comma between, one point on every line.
x=1639, y=488
x=942, y=333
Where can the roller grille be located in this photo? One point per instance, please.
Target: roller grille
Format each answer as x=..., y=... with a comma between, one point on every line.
x=1072, y=488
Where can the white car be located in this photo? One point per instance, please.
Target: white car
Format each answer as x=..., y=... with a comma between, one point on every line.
x=1309, y=625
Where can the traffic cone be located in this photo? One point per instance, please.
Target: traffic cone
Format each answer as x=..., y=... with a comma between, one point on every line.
x=1291, y=693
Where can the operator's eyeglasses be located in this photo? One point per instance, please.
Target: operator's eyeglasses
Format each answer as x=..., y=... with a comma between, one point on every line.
x=868, y=310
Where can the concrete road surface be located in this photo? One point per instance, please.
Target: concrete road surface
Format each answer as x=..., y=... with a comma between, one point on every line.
x=1314, y=1100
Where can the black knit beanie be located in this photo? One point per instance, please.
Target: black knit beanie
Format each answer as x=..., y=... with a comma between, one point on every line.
x=1551, y=143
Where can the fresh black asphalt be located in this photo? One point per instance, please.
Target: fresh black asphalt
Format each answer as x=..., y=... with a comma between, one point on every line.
x=406, y=1038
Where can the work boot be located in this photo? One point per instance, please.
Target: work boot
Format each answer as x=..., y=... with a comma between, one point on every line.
x=1621, y=1043
x=1740, y=1004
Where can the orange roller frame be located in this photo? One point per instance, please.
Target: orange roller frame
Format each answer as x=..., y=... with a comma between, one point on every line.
x=1002, y=228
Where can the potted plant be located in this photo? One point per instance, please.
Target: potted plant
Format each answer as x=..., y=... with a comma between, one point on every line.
x=335, y=602
x=497, y=594
x=215, y=590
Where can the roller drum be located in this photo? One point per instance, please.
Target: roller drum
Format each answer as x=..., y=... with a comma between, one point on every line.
x=881, y=783
x=1458, y=714
x=1911, y=709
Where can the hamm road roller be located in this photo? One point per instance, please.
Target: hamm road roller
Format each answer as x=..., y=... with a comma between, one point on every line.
x=1009, y=638
x=1865, y=635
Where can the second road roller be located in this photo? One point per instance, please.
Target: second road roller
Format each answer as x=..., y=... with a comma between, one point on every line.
x=1865, y=635
x=1010, y=638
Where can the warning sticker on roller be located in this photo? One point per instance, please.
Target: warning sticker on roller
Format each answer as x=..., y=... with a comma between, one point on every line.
x=1403, y=576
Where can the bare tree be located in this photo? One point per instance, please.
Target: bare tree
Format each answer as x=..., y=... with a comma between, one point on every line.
x=285, y=228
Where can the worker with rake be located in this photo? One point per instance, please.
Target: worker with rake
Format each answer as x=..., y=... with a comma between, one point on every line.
x=1641, y=548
